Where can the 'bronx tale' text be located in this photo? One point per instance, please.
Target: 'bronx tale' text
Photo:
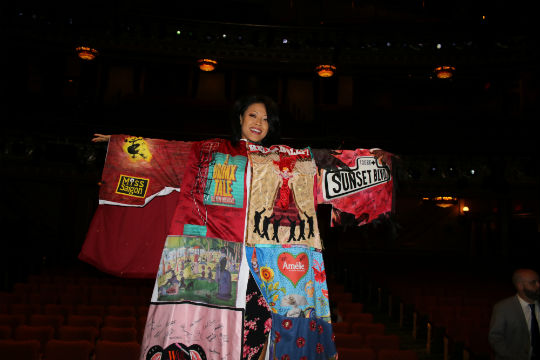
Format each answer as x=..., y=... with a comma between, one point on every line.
x=224, y=175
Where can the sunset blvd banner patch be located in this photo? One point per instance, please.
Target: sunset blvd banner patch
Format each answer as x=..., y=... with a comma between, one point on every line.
x=362, y=192
x=292, y=280
x=282, y=205
x=199, y=269
x=192, y=331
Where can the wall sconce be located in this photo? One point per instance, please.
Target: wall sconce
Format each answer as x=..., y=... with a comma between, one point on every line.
x=207, y=64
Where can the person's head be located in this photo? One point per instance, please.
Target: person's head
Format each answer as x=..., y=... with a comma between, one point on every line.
x=527, y=284
x=255, y=118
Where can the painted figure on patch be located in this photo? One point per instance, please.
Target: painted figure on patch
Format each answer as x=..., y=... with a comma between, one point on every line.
x=199, y=269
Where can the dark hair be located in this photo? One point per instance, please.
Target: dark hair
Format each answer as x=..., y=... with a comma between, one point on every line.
x=272, y=112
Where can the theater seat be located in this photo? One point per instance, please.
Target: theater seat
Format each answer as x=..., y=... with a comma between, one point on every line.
x=68, y=350
x=88, y=333
x=378, y=342
x=356, y=354
x=387, y=354
x=113, y=350
x=367, y=328
x=6, y=332
x=85, y=320
x=341, y=327
x=120, y=321
x=14, y=349
x=118, y=334
x=349, y=340
x=40, y=333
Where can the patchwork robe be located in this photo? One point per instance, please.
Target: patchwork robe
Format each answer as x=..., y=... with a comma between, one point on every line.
x=240, y=211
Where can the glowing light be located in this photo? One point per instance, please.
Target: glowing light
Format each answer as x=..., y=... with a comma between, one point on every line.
x=87, y=53
x=465, y=209
x=444, y=72
x=325, y=70
x=207, y=64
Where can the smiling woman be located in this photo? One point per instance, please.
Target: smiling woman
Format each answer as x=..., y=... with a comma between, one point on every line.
x=255, y=118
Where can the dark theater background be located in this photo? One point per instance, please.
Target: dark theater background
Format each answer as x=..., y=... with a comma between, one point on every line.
x=466, y=202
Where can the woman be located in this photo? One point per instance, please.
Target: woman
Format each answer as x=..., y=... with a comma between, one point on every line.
x=241, y=200
x=254, y=119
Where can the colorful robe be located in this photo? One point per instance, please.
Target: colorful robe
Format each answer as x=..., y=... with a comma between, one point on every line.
x=240, y=210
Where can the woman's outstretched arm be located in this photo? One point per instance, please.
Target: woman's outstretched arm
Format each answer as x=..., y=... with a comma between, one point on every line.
x=101, y=138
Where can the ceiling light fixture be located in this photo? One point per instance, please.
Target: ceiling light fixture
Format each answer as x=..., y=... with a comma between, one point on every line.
x=444, y=71
x=325, y=70
x=87, y=53
x=207, y=64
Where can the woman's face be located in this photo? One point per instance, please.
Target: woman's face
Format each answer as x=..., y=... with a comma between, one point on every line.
x=254, y=123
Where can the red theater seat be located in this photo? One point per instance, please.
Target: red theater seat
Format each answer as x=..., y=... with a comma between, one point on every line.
x=123, y=334
x=13, y=349
x=85, y=320
x=387, y=354
x=6, y=332
x=120, y=321
x=68, y=350
x=88, y=333
x=356, y=354
x=378, y=342
x=40, y=333
x=112, y=350
x=352, y=341
x=367, y=328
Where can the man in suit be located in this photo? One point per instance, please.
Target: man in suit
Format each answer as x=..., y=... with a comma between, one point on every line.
x=513, y=329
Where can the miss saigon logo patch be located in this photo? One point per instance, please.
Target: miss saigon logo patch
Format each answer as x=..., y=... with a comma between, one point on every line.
x=132, y=186
x=225, y=184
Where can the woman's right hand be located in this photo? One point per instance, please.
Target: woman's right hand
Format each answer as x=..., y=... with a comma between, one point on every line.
x=101, y=138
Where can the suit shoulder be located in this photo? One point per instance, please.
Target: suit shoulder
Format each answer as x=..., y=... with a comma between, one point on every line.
x=509, y=301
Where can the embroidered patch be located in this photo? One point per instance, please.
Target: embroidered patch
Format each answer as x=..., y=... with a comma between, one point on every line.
x=281, y=207
x=225, y=183
x=293, y=267
x=137, y=149
x=297, y=338
x=192, y=331
x=195, y=230
x=366, y=174
x=360, y=193
x=132, y=186
x=199, y=269
x=291, y=279
x=176, y=351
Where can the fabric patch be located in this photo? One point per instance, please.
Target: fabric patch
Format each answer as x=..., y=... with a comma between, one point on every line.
x=195, y=205
x=160, y=162
x=225, y=183
x=194, y=230
x=132, y=186
x=297, y=338
x=137, y=149
x=359, y=194
x=282, y=209
x=291, y=279
x=193, y=329
x=199, y=269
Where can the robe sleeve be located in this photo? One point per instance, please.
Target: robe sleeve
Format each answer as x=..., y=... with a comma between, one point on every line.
x=358, y=184
x=127, y=240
